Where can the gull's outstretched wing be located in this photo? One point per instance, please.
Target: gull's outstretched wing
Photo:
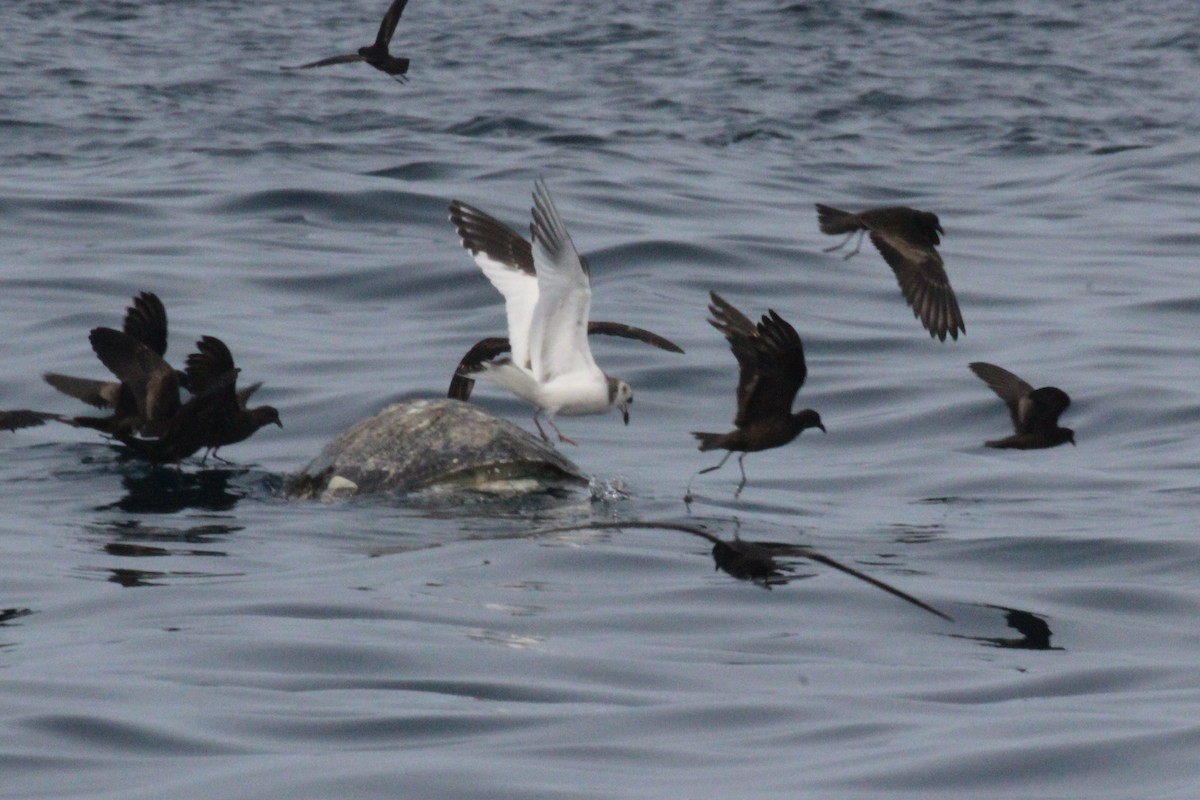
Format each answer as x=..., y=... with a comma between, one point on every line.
x=507, y=261
x=558, y=337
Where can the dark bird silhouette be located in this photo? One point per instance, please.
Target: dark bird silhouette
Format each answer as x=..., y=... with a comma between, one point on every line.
x=227, y=420
x=377, y=54
x=145, y=322
x=758, y=562
x=907, y=239
x=771, y=371
x=20, y=418
x=1035, y=633
x=164, y=429
x=1034, y=412
x=188, y=429
x=485, y=236
x=150, y=381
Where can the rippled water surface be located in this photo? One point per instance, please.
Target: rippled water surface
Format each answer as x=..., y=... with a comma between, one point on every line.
x=196, y=636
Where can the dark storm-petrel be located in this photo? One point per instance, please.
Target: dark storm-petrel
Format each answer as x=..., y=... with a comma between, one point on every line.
x=1034, y=412
x=771, y=371
x=907, y=239
x=166, y=430
x=150, y=381
x=188, y=428
x=146, y=322
x=376, y=55
x=227, y=420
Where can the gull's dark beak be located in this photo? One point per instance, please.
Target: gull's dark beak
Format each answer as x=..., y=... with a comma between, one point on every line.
x=625, y=413
x=822, y=427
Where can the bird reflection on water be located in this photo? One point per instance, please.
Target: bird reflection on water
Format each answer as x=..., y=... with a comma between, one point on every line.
x=166, y=490
x=758, y=562
x=1035, y=632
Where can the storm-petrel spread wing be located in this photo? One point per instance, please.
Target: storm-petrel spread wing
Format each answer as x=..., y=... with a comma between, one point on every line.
x=145, y=321
x=1034, y=412
x=907, y=239
x=771, y=370
x=377, y=54
x=19, y=418
x=151, y=382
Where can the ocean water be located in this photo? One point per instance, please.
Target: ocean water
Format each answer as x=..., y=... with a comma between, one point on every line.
x=199, y=636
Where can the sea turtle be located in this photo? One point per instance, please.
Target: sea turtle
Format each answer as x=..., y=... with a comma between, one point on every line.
x=434, y=445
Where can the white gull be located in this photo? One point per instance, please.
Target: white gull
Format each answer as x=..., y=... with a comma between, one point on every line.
x=547, y=304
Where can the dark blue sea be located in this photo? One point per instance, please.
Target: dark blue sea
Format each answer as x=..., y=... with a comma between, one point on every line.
x=197, y=635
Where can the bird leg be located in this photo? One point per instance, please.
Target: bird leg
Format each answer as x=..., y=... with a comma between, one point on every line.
x=741, y=485
x=550, y=420
x=840, y=244
x=728, y=453
x=858, y=246
x=687, y=493
x=844, y=242
x=561, y=438
x=545, y=438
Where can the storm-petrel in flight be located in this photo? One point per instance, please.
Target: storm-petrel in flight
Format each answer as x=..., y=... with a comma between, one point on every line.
x=771, y=370
x=166, y=430
x=1034, y=412
x=547, y=309
x=376, y=55
x=907, y=239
